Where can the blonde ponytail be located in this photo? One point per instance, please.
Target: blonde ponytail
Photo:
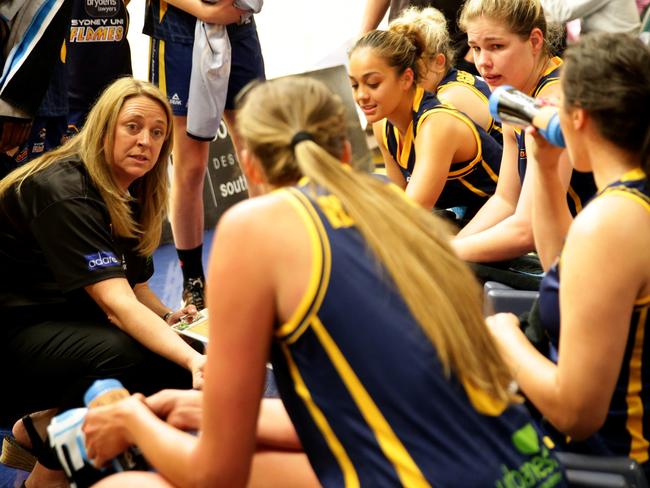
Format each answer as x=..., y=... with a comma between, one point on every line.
x=412, y=245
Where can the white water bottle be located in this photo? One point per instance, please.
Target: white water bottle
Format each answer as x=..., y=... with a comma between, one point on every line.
x=509, y=105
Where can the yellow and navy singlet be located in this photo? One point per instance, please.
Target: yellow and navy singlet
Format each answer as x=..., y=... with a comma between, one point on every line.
x=455, y=77
x=626, y=431
x=469, y=183
x=582, y=185
x=168, y=23
x=364, y=386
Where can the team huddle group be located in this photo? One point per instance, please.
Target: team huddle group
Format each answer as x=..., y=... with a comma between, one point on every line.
x=359, y=289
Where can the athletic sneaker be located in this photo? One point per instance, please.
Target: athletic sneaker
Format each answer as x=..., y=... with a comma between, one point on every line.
x=194, y=293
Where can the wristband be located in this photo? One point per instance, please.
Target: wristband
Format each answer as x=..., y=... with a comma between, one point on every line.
x=167, y=315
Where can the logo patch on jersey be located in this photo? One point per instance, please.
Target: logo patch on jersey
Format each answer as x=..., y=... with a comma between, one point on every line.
x=103, y=259
x=540, y=468
x=175, y=99
x=102, y=8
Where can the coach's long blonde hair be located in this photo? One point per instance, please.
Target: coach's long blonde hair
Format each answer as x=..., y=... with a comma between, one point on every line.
x=93, y=146
x=439, y=289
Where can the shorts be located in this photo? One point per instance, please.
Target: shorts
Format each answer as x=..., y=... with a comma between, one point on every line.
x=170, y=66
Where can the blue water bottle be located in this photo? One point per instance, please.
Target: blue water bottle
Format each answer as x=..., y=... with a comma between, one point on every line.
x=105, y=392
x=509, y=105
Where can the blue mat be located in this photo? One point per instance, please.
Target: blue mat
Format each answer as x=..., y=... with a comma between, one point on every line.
x=10, y=478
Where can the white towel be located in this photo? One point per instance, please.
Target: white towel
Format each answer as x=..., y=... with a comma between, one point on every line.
x=211, y=58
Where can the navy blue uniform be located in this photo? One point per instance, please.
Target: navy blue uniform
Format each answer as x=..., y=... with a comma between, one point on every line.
x=469, y=183
x=626, y=431
x=97, y=53
x=455, y=77
x=365, y=389
x=172, y=38
x=582, y=186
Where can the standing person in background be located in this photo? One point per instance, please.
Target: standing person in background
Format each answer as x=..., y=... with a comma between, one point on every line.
x=508, y=39
x=171, y=26
x=595, y=297
x=376, y=9
x=595, y=15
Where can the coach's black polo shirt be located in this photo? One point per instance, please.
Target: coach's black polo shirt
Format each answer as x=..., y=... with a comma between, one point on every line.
x=56, y=238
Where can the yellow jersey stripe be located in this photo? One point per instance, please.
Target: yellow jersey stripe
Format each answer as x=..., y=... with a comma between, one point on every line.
x=630, y=193
x=464, y=118
x=493, y=176
x=576, y=199
x=162, y=11
x=642, y=301
x=633, y=174
x=321, y=265
x=472, y=188
x=407, y=471
x=162, y=76
x=350, y=477
x=639, y=444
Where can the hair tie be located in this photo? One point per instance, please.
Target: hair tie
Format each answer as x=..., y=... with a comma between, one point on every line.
x=300, y=136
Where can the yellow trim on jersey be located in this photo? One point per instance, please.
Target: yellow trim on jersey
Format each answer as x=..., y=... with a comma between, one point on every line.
x=556, y=62
x=643, y=301
x=477, y=92
x=403, y=151
x=493, y=176
x=350, y=476
x=162, y=75
x=482, y=402
x=162, y=11
x=384, y=134
x=472, y=188
x=630, y=193
x=633, y=174
x=407, y=471
x=320, y=269
x=576, y=199
x=464, y=118
x=634, y=424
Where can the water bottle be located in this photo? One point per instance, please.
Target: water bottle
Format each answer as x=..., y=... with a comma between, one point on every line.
x=509, y=105
x=105, y=392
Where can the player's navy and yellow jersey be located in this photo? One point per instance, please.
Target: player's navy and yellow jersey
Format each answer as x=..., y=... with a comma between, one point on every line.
x=626, y=431
x=168, y=23
x=455, y=77
x=469, y=183
x=364, y=386
x=582, y=185
x=98, y=52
